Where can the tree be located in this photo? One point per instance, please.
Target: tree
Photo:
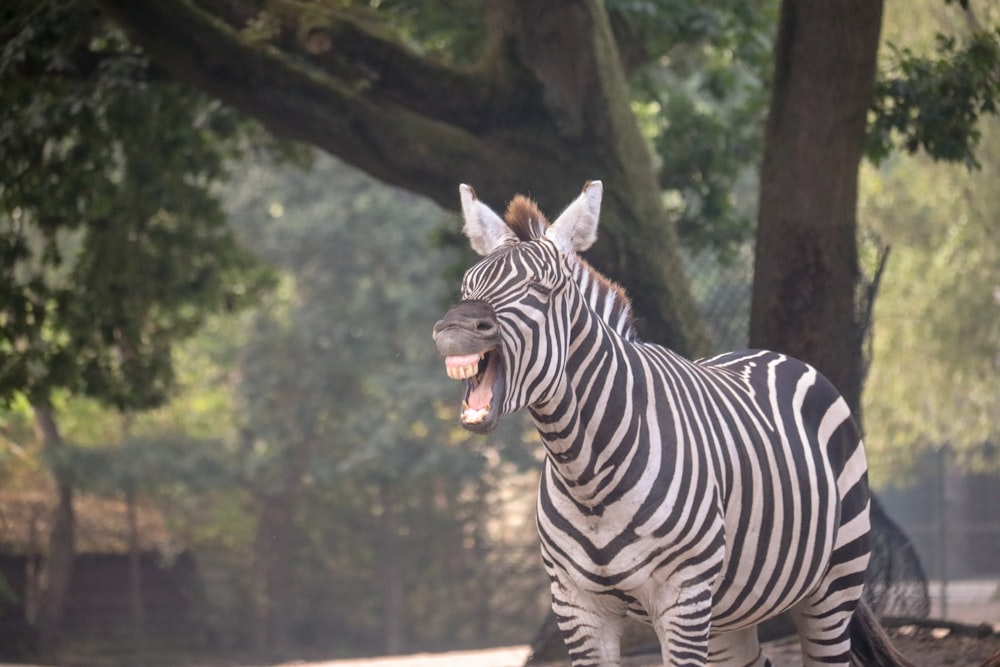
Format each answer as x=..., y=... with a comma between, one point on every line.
x=338, y=411
x=114, y=248
x=806, y=275
x=810, y=298
x=933, y=203
x=937, y=338
x=544, y=106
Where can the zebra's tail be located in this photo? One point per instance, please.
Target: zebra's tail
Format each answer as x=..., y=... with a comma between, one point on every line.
x=870, y=644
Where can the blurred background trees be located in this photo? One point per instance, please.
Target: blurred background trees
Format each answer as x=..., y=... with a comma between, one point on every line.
x=224, y=337
x=341, y=409
x=114, y=249
x=933, y=379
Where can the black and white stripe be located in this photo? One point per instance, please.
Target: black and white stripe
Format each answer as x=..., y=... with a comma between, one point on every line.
x=700, y=497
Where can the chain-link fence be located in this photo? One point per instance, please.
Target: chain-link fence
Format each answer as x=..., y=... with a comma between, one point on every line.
x=721, y=287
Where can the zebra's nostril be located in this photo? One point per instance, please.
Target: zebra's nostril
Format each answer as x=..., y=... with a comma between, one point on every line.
x=483, y=325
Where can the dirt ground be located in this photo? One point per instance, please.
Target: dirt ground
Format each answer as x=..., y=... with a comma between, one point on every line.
x=925, y=648
x=969, y=602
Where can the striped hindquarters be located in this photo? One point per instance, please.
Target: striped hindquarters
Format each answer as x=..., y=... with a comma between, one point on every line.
x=796, y=502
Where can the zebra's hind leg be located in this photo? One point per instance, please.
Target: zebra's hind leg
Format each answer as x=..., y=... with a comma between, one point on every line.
x=823, y=622
x=739, y=648
x=823, y=617
x=824, y=636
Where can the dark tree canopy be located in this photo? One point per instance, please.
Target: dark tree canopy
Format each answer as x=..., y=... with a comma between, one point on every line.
x=515, y=96
x=114, y=246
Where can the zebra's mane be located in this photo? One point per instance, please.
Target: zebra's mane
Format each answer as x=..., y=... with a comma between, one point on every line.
x=524, y=219
x=606, y=297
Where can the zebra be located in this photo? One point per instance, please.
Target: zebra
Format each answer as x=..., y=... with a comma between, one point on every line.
x=701, y=497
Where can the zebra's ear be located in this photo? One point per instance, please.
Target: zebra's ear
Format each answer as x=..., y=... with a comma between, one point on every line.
x=576, y=228
x=485, y=229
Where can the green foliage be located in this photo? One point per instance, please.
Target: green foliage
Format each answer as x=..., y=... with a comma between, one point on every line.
x=936, y=345
x=348, y=420
x=697, y=72
x=937, y=325
x=452, y=31
x=345, y=355
x=701, y=99
x=661, y=27
x=113, y=245
x=935, y=104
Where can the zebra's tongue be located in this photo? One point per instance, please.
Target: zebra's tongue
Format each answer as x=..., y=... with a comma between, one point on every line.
x=481, y=395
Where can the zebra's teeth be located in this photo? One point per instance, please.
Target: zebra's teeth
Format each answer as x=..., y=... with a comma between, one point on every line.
x=459, y=371
x=472, y=415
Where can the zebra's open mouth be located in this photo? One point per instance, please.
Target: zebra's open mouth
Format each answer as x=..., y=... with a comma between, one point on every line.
x=482, y=376
x=468, y=337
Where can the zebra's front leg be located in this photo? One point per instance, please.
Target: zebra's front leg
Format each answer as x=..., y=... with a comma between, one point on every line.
x=682, y=621
x=591, y=626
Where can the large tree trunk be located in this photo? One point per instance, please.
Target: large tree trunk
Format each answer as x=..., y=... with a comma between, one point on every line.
x=806, y=276
x=807, y=297
x=546, y=109
x=57, y=566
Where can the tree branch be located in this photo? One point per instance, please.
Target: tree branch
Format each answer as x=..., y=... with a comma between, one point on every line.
x=370, y=123
x=549, y=111
x=351, y=45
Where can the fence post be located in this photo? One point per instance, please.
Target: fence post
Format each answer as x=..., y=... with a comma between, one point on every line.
x=942, y=526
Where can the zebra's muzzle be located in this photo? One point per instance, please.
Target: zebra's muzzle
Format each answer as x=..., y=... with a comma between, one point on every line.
x=469, y=338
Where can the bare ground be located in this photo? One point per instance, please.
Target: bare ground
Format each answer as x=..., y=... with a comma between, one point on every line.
x=920, y=646
x=925, y=648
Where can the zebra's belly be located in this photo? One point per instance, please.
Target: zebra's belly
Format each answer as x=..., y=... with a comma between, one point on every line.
x=766, y=573
x=745, y=595
x=760, y=556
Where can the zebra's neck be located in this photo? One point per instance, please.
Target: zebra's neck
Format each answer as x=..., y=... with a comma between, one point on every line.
x=593, y=425
x=605, y=299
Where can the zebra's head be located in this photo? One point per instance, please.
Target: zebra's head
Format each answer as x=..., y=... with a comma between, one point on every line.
x=506, y=338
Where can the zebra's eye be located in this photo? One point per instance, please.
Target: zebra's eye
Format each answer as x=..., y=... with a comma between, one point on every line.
x=537, y=286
